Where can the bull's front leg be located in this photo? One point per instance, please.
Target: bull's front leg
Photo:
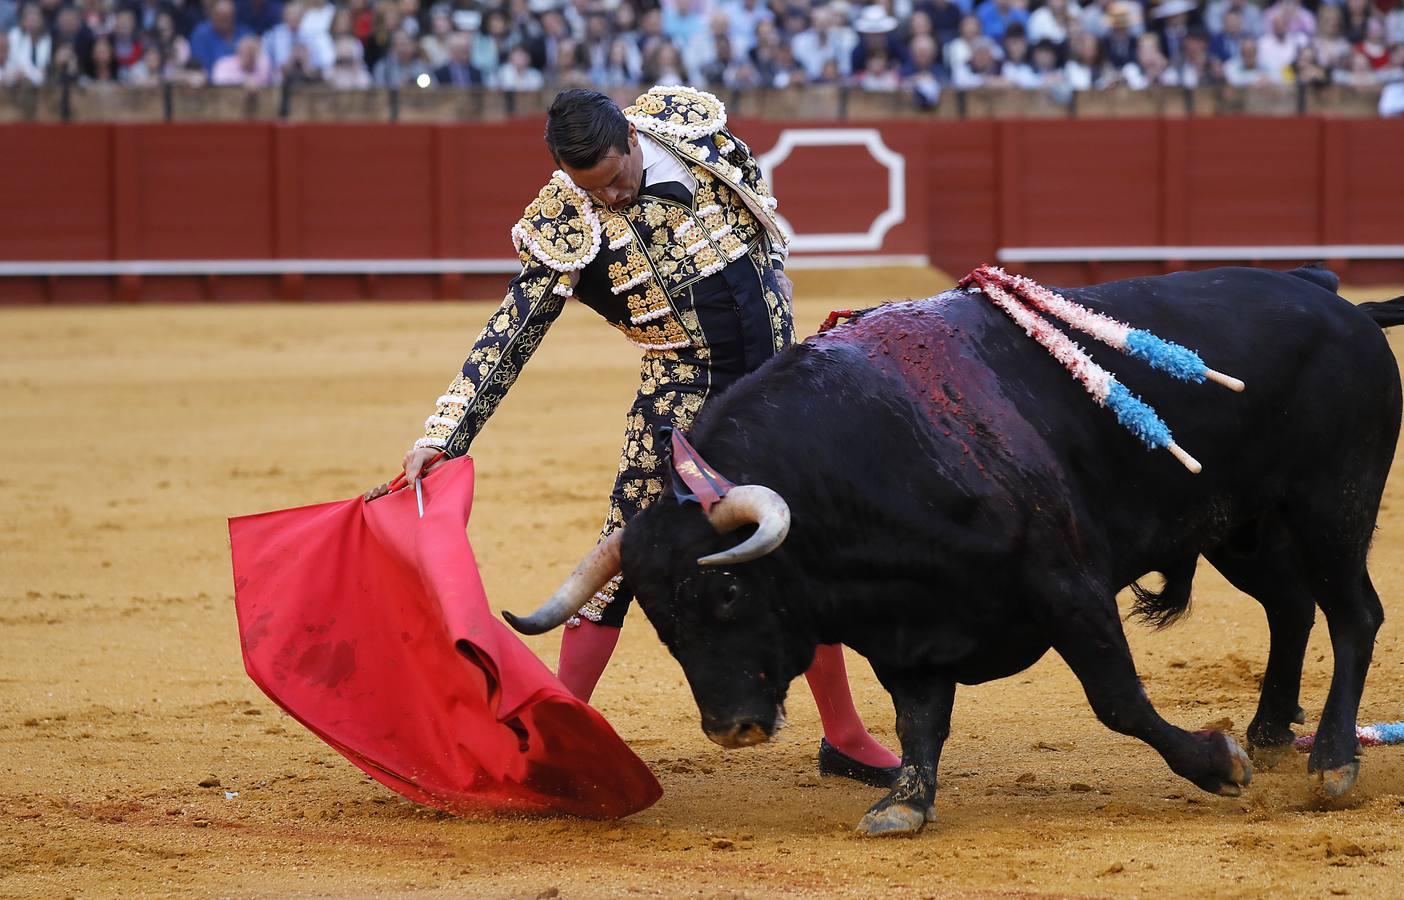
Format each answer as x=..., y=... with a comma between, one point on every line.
x=923, y=702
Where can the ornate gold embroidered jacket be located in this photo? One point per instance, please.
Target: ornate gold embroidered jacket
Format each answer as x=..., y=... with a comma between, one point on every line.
x=632, y=266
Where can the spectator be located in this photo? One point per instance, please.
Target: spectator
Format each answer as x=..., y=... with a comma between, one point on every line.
x=491, y=45
x=1307, y=69
x=1119, y=43
x=1050, y=22
x=402, y=66
x=1017, y=67
x=945, y=18
x=827, y=38
x=458, y=71
x=64, y=67
x=176, y=54
x=877, y=30
x=712, y=73
x=1392, y=100
x=1198, y=66
x=149, y=71
x=664, y=65
x=1358, y=73
x=29, y=40
x=1226, y=44
x=1298, y=21
x=1250, y=17
x=299, y=70
x=247, y=67
x=259, y=16
x=1171, y=23
x=385, y=24
x=1151, y=68
x=1048, y=74
x=434, y=45
x=9, y=17
x=101, y=67
x=745, y=17
x=1357, y=15
x=348, y=70
x=217, y=38
x=623, y=67
x=997, y=15
x=959, y=51
x=651, y=35
x=982, y=70
x=1278, y=49
x=315, y=30
x=1332, y=49
x=16, y=69
x=517, y=74
x=126, y=43
x=546, y=46
x=1373, y=47
x=1245, y=70
x=786, y=70
x=573, y=66
x=278, y=42
x=1394, y=25
x=683, y=22
x=1084, y=69
x=626, y=24
x=146, y=12
x=1097, y=16
x=879, y=73
x=923, y=74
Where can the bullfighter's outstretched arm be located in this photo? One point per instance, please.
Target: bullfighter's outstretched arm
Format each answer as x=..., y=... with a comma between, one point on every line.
x=502, y=348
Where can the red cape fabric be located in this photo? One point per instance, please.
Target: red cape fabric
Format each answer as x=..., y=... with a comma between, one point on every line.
x=370, y=626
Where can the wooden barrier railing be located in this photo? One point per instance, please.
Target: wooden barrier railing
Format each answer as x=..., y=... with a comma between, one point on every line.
x=180, y=103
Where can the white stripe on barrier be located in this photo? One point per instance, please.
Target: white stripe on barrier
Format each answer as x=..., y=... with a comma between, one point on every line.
x=142, y=267
x=1200, y=253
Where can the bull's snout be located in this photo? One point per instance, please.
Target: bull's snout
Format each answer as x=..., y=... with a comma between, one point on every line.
x=737, y=734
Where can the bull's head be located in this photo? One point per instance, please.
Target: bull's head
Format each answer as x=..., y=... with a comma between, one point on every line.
x=715, y=602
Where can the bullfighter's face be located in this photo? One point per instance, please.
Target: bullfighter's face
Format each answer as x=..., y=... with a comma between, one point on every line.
x=615, y=180
x=725, y=626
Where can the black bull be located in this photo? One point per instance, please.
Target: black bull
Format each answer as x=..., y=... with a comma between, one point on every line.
x=959, y=505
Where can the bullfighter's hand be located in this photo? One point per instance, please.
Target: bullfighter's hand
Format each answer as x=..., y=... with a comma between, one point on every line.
x=414, y=464
x=787, y=287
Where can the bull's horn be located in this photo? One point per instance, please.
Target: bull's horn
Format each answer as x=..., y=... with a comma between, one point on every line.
x=590, y=576
x=743, y=505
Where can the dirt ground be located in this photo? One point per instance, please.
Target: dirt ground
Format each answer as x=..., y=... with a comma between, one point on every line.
x=130, y=434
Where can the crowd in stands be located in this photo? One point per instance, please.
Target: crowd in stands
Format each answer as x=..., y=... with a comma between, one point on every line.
x=918, y=46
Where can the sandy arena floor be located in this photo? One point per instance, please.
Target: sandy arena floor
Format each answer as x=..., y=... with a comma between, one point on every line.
x=130, y=434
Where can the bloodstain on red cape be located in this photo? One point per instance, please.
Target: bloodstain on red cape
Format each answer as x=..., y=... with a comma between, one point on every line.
x=370, y=626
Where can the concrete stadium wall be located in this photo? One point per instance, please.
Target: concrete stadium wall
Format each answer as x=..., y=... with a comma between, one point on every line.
x=228, y=211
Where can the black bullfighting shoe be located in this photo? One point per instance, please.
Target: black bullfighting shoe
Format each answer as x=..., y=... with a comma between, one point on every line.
x=833, y=761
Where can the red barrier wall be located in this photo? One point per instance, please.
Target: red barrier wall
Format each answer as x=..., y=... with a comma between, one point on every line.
x=361, y=192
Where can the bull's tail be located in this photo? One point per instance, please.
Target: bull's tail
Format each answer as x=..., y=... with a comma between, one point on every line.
x=1386, y=313
x=1165, y=606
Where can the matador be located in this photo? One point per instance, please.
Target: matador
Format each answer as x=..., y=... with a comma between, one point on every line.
x=658, y=219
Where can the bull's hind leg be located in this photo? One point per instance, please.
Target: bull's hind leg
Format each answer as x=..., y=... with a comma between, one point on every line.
x=923, y=701
x=1269, y=572
x=1354, y=615
x=1090, y=639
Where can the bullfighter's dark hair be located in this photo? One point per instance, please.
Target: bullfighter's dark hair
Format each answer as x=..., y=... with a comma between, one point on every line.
x=583, y=127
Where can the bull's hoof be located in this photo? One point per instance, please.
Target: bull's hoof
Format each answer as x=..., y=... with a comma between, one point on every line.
x=895, y=819
x=1300, y=717
x=1330, y=784
x=1240, y=772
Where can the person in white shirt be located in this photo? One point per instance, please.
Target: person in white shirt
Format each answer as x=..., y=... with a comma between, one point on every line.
x=1050, y=22
x=15, y=69
x=1278, y=49
x=29, y=40
x=315, y=29
x=1246, y=70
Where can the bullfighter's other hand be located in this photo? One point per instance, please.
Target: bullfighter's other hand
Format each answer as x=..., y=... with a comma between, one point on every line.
x=787, y=287
x=414, y=464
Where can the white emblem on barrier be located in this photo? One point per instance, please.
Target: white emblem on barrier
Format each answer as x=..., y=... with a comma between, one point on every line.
x=871, y=138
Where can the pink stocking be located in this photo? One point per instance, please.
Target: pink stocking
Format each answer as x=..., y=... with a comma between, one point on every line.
x=585, y=651
x=828, y=679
